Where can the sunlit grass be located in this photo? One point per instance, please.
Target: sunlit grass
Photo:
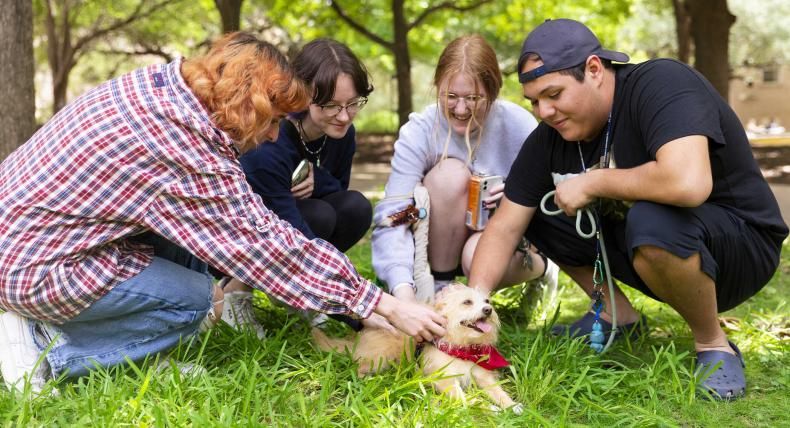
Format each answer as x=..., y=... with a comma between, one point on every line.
x=284, y=381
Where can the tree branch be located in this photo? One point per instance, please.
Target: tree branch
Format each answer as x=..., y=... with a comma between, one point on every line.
x=139, y=13
x=444, y=5
x=355, y=25
x=140, y=50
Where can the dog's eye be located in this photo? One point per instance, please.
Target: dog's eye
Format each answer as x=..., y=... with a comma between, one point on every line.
x=487, y=301
x=468, y=302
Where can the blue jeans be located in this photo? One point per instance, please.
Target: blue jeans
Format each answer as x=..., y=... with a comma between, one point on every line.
x=144, y=315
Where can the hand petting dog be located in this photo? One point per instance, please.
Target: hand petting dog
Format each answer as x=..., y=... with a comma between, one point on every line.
x=465, y=354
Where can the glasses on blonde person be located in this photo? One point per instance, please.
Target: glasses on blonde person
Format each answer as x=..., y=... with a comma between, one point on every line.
x=352, y=108
x=471, y=101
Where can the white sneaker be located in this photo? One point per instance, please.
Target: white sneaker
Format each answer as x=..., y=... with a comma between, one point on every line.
x=19, y=355
x=238, y=313
x=550, y=281
x=540, y=294
x=317, y=319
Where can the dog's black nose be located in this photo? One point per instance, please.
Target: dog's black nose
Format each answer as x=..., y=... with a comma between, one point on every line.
x=487, y=310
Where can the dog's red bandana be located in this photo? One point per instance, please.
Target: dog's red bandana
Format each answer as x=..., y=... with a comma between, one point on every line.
x=485, y=356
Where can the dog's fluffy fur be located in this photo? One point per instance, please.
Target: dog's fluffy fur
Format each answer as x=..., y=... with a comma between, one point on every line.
x=471, y=320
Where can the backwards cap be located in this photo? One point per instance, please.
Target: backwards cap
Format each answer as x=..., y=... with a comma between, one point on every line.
x=561, y=44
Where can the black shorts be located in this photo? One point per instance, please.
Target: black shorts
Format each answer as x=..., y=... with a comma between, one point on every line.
x=739, y=258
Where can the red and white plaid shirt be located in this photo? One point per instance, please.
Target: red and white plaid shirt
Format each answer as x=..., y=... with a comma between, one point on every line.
x=139, y=153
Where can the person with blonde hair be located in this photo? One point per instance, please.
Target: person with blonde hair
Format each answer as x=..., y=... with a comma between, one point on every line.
x=467, y=132
x=111, y=212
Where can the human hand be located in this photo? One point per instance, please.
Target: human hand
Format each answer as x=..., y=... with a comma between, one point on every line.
x=377, y=321
x=572, y=194
x=496, y=192
x=413, y=319
x=305, y=189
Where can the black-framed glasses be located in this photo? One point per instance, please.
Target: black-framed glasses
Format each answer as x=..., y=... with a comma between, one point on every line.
x=471, y=101
x=352, y=108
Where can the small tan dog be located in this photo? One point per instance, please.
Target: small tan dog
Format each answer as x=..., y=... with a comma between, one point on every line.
x=464, y=355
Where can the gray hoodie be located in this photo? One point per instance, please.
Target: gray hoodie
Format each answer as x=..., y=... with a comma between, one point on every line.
x=419, y=148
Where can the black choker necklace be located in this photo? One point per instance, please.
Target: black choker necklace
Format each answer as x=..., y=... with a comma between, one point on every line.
x=302, y=136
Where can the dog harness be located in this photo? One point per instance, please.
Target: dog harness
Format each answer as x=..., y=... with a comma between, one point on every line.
x=485, y=356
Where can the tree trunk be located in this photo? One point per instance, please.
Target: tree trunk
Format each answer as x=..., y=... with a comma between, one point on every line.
x=18, y=104
x=710, y=29
x=402, y=61
x=399, y=46
x=230, y=12
x=682, y=30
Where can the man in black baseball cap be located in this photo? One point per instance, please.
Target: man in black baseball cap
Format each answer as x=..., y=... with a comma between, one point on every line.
x=684, y=213
x=561, y=44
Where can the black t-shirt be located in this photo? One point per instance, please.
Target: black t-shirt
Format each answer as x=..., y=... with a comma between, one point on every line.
x=655, y=102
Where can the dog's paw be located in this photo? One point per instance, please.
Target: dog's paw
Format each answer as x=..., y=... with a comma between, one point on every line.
x=494, y=408
x=517, y=408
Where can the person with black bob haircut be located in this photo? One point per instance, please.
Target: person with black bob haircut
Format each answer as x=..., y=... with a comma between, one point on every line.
x=304, y=177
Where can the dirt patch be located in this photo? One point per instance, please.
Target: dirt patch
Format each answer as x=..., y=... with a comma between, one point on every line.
x=374, y=148
x=774, y=161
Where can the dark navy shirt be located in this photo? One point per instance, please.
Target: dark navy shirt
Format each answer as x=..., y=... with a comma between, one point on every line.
x=269, y=166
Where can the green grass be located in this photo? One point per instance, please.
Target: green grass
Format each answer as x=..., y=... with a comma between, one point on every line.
x=284, y=381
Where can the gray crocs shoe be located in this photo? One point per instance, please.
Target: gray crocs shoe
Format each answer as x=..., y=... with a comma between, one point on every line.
x=583, y=326
x=723, y=372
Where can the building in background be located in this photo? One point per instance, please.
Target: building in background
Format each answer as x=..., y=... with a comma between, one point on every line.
x=760, y=95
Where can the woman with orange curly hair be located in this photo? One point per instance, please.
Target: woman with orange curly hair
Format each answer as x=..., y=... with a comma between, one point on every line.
x=111, y=211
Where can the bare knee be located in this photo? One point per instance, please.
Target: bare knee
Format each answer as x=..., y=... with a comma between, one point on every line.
x=468, y=253
x=447, y=181
x=649, y=257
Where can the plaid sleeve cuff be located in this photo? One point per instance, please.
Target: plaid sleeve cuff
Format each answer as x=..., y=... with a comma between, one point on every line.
x=366, y=300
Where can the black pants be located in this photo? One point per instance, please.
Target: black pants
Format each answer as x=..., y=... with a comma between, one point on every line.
x=739, y=258
x=340, y=218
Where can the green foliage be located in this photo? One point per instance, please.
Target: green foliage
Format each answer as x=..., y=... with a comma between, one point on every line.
x=650, y=31
x=180, y=27
x=643, y=28
x=284, y=381
x=761, y=34
x=506, y=24
x=377, y=122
